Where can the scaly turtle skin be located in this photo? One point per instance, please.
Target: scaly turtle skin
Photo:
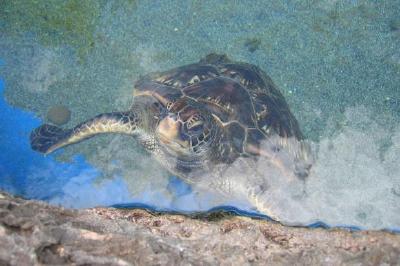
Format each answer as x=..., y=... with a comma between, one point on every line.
x=195, y=117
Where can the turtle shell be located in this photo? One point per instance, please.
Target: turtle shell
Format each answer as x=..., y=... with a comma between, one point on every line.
x=240, y=96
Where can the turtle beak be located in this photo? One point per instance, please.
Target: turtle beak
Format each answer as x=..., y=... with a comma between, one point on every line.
x=168, y=132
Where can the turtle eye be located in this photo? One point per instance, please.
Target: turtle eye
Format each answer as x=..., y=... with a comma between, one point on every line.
x=195, y=127
x=194, y=79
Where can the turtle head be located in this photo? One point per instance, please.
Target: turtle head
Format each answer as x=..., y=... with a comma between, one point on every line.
x=187, y=129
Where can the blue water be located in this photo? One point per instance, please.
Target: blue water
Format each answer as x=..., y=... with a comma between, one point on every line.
x=19, y=162
x=336, y=63
x=31, y=175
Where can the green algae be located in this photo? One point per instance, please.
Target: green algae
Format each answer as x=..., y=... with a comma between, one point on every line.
x=55, y=23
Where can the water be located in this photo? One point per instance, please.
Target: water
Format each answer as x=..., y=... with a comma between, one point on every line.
x=336, y=62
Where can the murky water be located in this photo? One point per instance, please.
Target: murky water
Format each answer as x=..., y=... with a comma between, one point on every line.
x=336, y=62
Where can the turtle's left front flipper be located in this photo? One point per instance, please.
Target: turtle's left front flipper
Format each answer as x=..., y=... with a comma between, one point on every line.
x=48, y=138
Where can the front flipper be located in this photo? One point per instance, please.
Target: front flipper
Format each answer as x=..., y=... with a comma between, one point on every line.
x=48, y=138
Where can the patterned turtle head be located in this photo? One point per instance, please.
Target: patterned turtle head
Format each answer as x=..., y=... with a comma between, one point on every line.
x=187, y=130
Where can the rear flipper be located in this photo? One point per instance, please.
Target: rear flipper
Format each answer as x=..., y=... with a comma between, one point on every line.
x=47, y=138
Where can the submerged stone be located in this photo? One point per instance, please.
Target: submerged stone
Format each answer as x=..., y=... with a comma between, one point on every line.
x=252, y=44
x=59, y=114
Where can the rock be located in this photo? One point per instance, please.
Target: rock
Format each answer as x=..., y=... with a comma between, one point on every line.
x=394, y=24
x=35, y=233
x=59, y=115
x=252, y=44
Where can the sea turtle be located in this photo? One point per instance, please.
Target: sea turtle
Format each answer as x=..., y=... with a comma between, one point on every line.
x=195, y=117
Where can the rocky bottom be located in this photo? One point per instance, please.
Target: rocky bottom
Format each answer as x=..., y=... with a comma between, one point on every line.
x=35, y=233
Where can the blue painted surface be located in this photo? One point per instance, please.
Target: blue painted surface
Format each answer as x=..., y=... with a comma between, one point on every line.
x=178, y=187
x=31, y=175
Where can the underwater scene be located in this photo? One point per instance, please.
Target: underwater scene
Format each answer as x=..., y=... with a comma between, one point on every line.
x=284, y=110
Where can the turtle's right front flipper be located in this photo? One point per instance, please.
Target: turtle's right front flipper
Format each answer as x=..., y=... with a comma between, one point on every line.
x=48, y=138
x=45, y=138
